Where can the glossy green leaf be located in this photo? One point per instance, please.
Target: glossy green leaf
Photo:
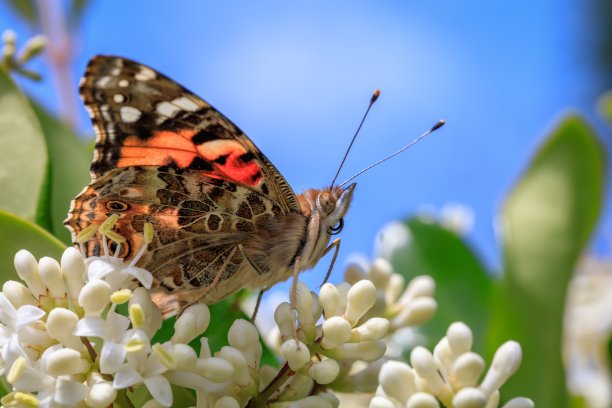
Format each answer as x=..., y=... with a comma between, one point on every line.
x=440, y=253
x=546, y=222
x=17, y=234
x=23, y=155
x=70, y=159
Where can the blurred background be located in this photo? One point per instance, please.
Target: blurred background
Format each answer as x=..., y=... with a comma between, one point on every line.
x=297, y=77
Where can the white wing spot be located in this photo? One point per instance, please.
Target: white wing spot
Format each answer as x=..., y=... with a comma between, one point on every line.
x=105, y=113
x=185, y=103
x=130, y=114
x=124, y=83
x=118, y=98
x=103, y=81
x=167, y=109
x=115, y=71
x=145, y=74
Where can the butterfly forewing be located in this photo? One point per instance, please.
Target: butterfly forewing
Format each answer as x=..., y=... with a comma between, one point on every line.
x=165, y=156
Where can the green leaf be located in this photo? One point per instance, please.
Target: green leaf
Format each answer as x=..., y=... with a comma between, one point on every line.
x=24, y=9
x=546, y=222
x=440, y=253
x=16, y=234
x=70, y=159
x=23, y=155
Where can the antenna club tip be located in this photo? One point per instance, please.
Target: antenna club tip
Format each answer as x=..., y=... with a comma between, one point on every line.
x=438, y=125
x=375, y=95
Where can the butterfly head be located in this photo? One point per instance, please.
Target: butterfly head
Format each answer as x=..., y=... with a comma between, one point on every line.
x=333, y=205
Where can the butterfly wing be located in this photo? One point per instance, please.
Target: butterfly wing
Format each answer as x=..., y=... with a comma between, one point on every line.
x=167, y=157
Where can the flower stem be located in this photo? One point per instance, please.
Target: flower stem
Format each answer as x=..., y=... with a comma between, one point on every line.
x=92, y=353
x=262, y=398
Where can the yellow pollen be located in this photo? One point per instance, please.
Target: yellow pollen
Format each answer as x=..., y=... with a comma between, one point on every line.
x=121, y=296
x=26, y=399
x=134, y=345
x=108, y=224
x=137, y=316
x=115, y=236
x=86, y=233
x=148, y=232
x=16, y=370
x=164, y=357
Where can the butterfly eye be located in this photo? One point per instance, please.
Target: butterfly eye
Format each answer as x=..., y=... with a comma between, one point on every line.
x=327, y=202
x=336, y=229
x=116, y=205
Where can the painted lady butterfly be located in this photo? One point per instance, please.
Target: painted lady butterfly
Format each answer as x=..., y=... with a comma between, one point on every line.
x=224, y=217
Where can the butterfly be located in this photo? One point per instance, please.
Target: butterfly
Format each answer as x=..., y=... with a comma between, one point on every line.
x=224, y=218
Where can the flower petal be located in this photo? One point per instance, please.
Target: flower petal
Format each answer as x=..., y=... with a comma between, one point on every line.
x=69, y=392
x=8, y=313
x=28, y=314
x=144, y=277
x=91, y=326
x=111, y=357
x=159, y=387
x=126, y=376
x=98, y=269
x=116, y=325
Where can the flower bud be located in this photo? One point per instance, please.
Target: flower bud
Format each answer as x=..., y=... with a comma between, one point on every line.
x=360, y=298
x=373, y=329
x=94, y=297
x=284, y=319
x=101, y=393
x=242, y=374
x=244, y=336
x=443, y=353
x=419, y=286
x=33, y=47
x=226, y=402
x=149, y=313
x=60, y=326
x=51, y=275
x=506, y=361
x=422, y=400
x=424, y=364
x=336, y=331
x=324, y=371
x=394, y=288
x=27, y=269
x=296, y=353
x=469, y=398
x=416, y=312
x=73, y=268
x=380, y=273
x=191, y=323
x=354, y=273
x=313, y=401
x=303, y=305
x=467, y=369
x=397, y=380
x=519, y=403
x=66, y=361
x=215, y=369
x=366, y=351
x=460, y=338
x=17, y=294
x=381, y=402
x=330, y=300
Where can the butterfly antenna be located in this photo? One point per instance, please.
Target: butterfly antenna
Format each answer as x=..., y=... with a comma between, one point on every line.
x=424, y=135
x=374, y=98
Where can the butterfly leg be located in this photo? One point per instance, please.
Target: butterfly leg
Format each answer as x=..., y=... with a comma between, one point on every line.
x=257, y=304
x=293, y=294
x=335, y=245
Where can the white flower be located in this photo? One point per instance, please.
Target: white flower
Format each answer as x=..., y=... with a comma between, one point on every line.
x=16, y=323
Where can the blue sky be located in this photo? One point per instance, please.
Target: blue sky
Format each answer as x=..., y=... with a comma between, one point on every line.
x=296, y=77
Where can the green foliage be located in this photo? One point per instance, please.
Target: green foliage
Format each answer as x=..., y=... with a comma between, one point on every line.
x=23, y=156
x=16, y=234
x=546, y=223
x=442, y=254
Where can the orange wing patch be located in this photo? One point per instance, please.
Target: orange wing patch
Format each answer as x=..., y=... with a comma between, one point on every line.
x=221, y=159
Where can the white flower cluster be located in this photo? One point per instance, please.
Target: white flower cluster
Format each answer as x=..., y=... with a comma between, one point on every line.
x=62, y=342
x=404, y=305
x=449, y=375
